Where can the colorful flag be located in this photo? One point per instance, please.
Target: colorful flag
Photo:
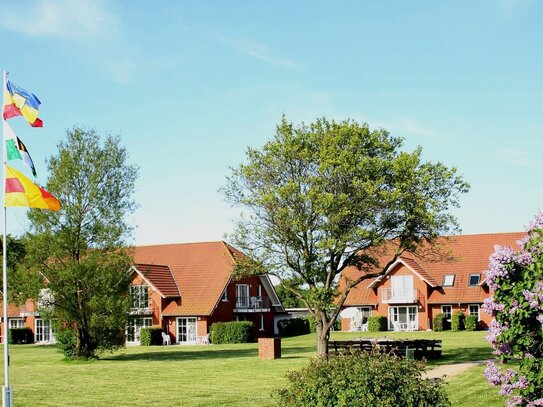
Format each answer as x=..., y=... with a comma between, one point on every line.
x=16, y=150
x=19, y=102
x=20, y=191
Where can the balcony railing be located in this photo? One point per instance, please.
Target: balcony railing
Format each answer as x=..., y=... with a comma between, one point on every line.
x=252, y=304
x=399, y=296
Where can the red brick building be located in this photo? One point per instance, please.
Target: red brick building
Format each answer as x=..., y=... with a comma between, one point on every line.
x=183, y=288
x=186, y=287
x=415, y=289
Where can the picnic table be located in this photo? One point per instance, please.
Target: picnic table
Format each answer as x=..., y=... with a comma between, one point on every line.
x=418, y=348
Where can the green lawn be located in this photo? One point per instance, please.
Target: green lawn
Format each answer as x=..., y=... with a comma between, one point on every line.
x=216, y=375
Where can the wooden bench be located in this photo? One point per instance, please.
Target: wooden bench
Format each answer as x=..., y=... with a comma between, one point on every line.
x=422, y=348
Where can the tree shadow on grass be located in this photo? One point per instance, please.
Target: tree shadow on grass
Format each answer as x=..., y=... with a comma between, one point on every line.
x=462, y=355
x=207, y=353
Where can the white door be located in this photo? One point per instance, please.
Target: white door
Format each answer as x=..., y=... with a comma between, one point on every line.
x=402, y=288
x=242, y=296
x=186, y=330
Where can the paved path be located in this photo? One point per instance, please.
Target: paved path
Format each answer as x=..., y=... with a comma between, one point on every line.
x=450, y=370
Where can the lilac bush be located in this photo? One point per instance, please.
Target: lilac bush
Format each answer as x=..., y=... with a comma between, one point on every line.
x=516, y=331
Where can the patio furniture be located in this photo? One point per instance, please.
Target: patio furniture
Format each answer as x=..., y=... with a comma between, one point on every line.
x=166, y=339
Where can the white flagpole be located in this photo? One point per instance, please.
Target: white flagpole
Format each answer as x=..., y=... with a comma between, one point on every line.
x=7, y=400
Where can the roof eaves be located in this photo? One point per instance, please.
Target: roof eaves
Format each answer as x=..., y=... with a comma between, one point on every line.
x=389, y=269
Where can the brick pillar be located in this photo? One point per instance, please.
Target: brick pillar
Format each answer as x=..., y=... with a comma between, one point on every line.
x=269, y=348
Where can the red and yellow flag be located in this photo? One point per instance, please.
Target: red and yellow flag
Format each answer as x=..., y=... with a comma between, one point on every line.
x=20, y=191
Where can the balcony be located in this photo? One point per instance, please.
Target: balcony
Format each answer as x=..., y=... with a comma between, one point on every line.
x=400, y=296
x=252, y=304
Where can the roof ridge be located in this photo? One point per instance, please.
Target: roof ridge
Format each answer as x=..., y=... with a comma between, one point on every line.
x=180, y=243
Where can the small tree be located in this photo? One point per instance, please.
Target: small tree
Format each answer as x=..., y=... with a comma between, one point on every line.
x=516, y=332
x=326, y=196
x=79, y=252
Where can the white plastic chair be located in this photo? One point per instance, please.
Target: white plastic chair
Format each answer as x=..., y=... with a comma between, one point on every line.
x=166, y=339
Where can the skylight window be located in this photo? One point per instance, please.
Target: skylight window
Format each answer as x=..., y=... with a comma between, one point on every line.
x=474, y=279
x=448, y=280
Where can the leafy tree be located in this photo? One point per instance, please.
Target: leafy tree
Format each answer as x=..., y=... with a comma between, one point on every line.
x=80, y=251
x=285, y=293
x=324, y=196
x=516, y=332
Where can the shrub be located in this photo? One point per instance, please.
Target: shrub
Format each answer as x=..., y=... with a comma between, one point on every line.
x=363, y=379
x=457, y=321
x=151, y=335
x=312, y=323
x=20, y=335
x=66, y=341
x=440, y=322
x=232, y=332
x=471, y=323
x=293, y=327
x=377, y=323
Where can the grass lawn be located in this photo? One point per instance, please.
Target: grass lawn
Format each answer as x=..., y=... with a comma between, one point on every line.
x=216, y=375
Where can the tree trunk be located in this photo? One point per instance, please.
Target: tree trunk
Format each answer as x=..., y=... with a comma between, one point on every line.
x=323, y=334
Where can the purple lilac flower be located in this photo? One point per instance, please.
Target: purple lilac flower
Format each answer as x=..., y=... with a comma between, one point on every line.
x=540, y=319
x=514, y=306
x=494, y=331
x=531, y=298
x=514, y=401
x=535, y=403
x=537, y=223
x=491, y=307
x=493, y=374
x=524, y=258
x=499, y=260
x=502, y=349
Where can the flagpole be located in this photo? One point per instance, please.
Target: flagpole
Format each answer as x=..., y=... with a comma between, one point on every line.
x=7, y=400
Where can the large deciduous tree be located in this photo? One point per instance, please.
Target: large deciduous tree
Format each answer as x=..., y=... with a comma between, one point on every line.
x=81, y=251
x=320, y=197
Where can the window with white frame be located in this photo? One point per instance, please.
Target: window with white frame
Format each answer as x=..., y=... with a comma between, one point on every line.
x=448, y=280
x=446, y=310
x=139, y=296
x=474, y=309
x=16, y=323
x=43, y=331
x=261, y=322
x=474, y=279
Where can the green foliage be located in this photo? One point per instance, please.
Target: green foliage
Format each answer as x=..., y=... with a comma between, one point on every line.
x=457, y=321
x=470, y=323
x=151, y=336
x=377, y=323
x=20, y=335
x=363, y=379
x=293, y=327
x=66, y=341
x=288, y=299
x=439, y=322
x=324, y=196
x=312, y=323
x=81, y=249
x=232, y=332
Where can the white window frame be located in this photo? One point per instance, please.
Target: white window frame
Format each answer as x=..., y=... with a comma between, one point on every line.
x=411, y=315
x=242, y=301
x=190, y=332
x=445, y=313
x=224, y=297
x=136, y=323
x=478, y=280
x=139, y=296
x=478, y=310
x=42, y=336
x=260, y=291
x=445, y=282
x=16, y=323
x=261, y=328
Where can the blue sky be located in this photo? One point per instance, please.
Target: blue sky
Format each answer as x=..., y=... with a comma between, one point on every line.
x=188, y=85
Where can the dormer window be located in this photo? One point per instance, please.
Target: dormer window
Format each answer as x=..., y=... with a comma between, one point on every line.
x=474, y=279
x=448, y=280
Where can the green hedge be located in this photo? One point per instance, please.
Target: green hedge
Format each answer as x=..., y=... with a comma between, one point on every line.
x=66, y=340
x=457, y=321
x=377, y=323
x=20, y=335
x=370, y=380
x=151, y=336
x=232, y=332
x=293, y=327
x=439, y=322
x=471, y=323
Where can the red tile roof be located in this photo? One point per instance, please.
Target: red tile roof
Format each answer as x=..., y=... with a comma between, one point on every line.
x=460, y=255
x=201, y=272
x=160, y=277
x=14, y=311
